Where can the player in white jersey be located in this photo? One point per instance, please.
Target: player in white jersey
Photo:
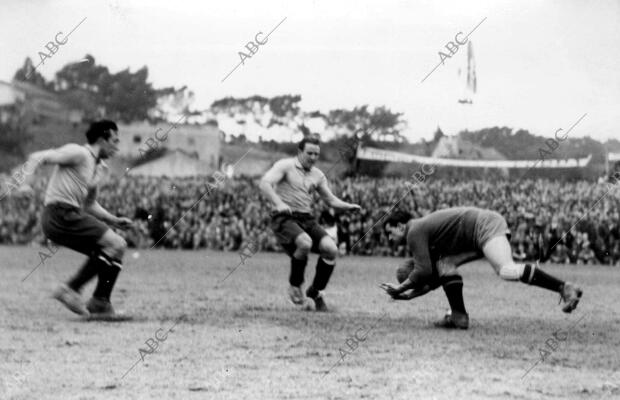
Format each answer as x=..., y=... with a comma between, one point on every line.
x=290, y=185
x=73, y=218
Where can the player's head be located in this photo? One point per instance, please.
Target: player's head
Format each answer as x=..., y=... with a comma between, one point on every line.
x=395, y=226
x=308, y=150
x=103, y=133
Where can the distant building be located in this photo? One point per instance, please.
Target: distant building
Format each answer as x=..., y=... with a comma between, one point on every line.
x=10, y=101
x=202, y=142
x=33, y=103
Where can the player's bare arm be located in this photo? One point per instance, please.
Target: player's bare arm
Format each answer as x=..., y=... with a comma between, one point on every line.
x=92, y=207
x=334, y=201
x=69, y=154
x=272, y=177
x=421, y=270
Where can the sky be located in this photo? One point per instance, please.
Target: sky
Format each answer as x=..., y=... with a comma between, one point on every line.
x=540, y=65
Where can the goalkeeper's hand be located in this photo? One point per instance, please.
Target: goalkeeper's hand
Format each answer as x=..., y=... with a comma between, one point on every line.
x=390, y=289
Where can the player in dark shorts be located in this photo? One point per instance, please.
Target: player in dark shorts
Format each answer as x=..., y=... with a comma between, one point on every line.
x=73, y=218
x=296, y=180
x=445, y=239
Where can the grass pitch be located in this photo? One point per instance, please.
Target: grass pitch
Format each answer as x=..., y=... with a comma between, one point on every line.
x=196, y=337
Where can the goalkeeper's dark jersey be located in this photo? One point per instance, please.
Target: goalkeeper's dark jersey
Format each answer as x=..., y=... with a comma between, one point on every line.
x=441, y=233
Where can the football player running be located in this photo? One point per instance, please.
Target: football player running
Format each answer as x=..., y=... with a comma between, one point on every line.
x=73, y=218
x=290, y=185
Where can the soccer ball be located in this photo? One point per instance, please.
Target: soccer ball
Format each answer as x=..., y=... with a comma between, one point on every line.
x=403, y=271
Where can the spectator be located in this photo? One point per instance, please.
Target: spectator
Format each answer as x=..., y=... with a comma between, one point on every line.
x=561, y=222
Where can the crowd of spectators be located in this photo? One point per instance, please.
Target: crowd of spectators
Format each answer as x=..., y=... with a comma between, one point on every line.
x=559, y=222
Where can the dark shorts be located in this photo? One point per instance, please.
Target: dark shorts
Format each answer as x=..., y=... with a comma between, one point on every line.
x=288, y=226
x=72, y=227
x=489, y=224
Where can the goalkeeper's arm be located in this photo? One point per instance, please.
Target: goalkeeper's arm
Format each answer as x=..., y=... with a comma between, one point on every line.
x=412, y=294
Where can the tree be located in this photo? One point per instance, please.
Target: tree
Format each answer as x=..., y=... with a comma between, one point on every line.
x=285, y=106
x=83, y=75
x=128, y=96
x=27, y=73
x=241, y=106
x=280, y=110
x=14, y=138
x=378, y=125
x=123, y=96
x=387, y=124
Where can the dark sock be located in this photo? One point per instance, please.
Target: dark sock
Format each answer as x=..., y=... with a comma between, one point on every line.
x=312, y=292
x=107, y=278
x=322, y=274
x=85, y=274
x=298, y=267
x=453, y=287
x=537, y=277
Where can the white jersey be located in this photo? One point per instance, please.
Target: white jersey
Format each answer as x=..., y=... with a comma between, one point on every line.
x=70, y=184
x=297, y=186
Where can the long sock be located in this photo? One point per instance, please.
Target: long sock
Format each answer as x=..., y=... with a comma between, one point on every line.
x=85, y=274
x=536, y=276
x=298, y=267
x=324, y=269
x=107, y=278
x=453, y=286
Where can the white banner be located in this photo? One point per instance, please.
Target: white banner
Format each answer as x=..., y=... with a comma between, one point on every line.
x=370, y=153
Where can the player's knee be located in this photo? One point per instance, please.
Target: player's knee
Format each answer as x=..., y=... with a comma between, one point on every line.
x=328, y=248
x=121, y=248
x=511, y=272
x=446, y=266
x=118, y=248
x=303, y=244
x=329, y=251
x=113, y=245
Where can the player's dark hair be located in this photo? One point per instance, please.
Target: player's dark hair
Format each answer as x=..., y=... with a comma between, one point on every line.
x=311, y=139
x=398, y=217
x=100, y=129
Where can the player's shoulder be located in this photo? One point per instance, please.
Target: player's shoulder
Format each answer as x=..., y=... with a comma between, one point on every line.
x=284, y=164
x=317, y=171
x=76, y=150
x=74, y=147
x=415, y=226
